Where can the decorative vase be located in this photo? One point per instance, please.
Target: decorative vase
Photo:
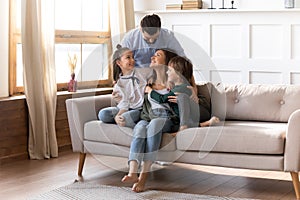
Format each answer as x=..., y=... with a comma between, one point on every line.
x=289, y=3
x=72, y=85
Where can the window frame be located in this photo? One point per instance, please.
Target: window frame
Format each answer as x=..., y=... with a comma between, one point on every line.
x=61, y=37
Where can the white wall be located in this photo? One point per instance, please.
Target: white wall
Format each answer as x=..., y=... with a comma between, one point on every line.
x=239, y=46
x=4, y=16
x=140, y=5
x=256, y=43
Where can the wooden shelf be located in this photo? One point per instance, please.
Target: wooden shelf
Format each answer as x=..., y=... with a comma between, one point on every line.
x=216, y=11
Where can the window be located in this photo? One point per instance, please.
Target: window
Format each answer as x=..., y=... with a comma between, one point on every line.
x=82, y=30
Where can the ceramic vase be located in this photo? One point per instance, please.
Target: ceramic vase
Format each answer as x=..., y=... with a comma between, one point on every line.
x=72, y=85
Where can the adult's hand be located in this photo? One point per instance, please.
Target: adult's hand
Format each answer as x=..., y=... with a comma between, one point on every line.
x=194, y=96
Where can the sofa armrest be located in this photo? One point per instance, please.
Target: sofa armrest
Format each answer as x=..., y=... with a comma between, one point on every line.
x=80, y=111
x=292, y=145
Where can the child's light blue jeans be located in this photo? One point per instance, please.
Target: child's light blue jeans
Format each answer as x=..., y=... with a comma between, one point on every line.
x=107, y=115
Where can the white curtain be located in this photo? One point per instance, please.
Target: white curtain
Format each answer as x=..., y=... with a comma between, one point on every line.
x=38, y=39
x=121, y=19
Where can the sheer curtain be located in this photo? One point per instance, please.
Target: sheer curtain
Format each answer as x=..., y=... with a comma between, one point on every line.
x=38, y=38
x=121, y=19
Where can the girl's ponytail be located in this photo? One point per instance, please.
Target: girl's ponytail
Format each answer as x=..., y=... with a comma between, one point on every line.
x=116, y=56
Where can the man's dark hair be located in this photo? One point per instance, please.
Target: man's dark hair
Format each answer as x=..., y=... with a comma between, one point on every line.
x=151, y=24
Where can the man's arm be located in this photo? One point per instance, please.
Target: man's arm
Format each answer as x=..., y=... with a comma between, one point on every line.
x=175, y=45
x=126, y=41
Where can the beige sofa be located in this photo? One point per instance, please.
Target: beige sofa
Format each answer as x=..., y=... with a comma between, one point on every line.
x=261, y=130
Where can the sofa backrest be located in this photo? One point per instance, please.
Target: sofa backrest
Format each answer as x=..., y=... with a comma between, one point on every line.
x=255, y=102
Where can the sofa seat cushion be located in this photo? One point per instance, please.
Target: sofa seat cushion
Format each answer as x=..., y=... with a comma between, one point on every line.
x=249, y=137
x=114, y=134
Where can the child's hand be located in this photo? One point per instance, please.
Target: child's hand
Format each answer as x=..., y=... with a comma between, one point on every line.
x=172, y=99
x=148, y=89
x=120, y=120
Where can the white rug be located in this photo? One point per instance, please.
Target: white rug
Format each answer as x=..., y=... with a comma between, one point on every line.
x=88, y=191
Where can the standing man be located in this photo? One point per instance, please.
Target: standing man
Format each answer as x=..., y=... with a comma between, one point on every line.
x=143, y=41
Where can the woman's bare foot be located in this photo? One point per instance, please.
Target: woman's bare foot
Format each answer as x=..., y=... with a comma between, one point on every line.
x=130, y=178
x=140, y=185
x=213, y=120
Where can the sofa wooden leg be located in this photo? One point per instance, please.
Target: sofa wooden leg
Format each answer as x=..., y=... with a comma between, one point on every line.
x=81, y=163
x=295, y=178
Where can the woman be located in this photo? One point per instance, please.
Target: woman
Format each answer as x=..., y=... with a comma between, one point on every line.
x=147, y=133
x=159, y=119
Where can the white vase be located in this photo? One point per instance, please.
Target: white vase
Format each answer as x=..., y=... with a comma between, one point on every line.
x=289, y=3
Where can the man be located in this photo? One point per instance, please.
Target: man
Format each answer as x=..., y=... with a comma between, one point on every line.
x=143, y=41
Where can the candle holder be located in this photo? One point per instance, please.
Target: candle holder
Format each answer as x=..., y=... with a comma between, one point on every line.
x=232, y=7
x=222, y=5
x=211, y=5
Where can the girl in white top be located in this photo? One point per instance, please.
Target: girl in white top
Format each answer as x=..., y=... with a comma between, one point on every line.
x=130, y=86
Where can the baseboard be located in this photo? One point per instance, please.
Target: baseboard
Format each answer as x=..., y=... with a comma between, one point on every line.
x=25, y=156
x=13, y=158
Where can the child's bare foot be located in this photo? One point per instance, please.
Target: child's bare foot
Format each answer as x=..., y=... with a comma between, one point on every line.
x=212, y=121
x=183, y=127
x=173, y=134
x=130, y=179
x=120, y=120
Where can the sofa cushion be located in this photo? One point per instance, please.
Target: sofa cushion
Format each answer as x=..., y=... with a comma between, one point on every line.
x=255, y=102
x=114, y=134
x=235, y=137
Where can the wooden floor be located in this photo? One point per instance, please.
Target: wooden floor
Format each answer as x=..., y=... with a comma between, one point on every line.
x=22, y=179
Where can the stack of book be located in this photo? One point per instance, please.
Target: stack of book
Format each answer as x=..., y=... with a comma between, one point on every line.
x=191, y=4
x=173, y=6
